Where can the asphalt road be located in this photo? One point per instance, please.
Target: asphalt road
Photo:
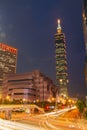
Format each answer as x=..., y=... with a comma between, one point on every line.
x=48, y=121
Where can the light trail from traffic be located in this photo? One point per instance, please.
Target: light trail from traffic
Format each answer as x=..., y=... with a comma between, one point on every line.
x=57, y=112
x=9, y=125
x=47, y=121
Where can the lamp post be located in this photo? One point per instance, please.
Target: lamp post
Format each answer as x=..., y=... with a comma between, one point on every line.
x=43, y=92
x=43, y=96
x=61, y=83
x=56, y=100
x=1, y=99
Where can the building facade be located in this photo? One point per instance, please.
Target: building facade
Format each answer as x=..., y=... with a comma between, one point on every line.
x=31, y=87
x=8, y=60
x=85, y=35
x=61, y=61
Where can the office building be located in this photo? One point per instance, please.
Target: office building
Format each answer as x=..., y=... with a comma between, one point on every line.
x=85, y=35
x=8, y=60
x=31, y=86
x=61, y=61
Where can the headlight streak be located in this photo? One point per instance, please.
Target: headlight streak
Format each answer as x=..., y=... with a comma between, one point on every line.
x=60, y=111
x=46, y=124
x=4, y=128
x=43, y=124
x=9, y=125
x=57, y=113
x=51, y=126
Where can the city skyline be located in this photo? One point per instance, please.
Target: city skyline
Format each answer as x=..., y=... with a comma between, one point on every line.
x=30, y=26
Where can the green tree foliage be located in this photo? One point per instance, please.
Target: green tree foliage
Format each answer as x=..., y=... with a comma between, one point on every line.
x=85, y=114
x=80, y=105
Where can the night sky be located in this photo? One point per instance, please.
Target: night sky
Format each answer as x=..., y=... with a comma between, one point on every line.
x=30, y=25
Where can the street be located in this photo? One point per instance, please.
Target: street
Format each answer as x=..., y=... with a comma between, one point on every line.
x=47, y=121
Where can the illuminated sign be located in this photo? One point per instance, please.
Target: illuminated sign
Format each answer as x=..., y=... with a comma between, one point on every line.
x=8, y=48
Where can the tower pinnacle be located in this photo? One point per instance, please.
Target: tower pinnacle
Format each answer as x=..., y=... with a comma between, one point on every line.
x=59, y=26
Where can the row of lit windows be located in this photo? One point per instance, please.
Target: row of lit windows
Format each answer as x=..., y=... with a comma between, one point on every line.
x=64, y=77
x=6, y=68
x=58, y=36
x=60, y=61
x=21, y=83
x=61, y=68
x=29, y=94
x=19, y=80
x=7, y=55
x=58, y=46
x=61, y=41
x=61, y=64
x=10, y=89
x=60, y=57
x=7, y=58
x=63, y=73
x=61, y=51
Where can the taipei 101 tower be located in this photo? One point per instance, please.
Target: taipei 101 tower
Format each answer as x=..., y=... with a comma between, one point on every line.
x=61, y=61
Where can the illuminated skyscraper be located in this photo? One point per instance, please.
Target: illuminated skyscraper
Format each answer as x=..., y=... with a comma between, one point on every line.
x=8, y=60
x=61, y=61
x=85, y=34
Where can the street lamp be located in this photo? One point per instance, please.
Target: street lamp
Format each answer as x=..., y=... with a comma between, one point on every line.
x=8, y=98
x=24, y=100
x=53, y=99
x=43, y=97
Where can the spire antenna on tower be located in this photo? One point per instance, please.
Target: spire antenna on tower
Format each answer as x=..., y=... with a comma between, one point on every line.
x=58, y=21
x=59, y=26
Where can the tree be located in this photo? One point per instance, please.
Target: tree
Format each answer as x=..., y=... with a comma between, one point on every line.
x=80, y=105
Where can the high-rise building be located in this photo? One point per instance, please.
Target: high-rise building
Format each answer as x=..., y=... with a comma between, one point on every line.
x=61, y=61
x=85, y=34
x=8, y=60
